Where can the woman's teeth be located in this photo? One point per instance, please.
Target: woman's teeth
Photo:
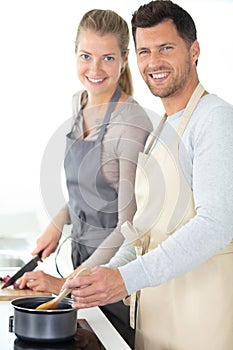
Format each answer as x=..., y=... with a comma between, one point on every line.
x=95, y=80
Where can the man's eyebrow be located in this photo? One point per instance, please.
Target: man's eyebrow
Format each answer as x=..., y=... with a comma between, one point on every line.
x=157, y=46
x=142, y=48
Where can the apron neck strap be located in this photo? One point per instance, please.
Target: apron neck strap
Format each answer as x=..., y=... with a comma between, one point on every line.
x=112, y=104
x=155, y=134
x=190, y=108
x=184, y=119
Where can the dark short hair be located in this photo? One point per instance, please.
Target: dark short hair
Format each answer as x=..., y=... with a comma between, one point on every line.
x=158, y=11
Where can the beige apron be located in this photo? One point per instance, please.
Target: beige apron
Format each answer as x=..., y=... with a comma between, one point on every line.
x=195, y=310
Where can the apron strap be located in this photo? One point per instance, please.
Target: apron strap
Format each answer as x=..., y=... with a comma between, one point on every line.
x=112, y=104
x=155, y=135
x=184, y=119
x=190, y=108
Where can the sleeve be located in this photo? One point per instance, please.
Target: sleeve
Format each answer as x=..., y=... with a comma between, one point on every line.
x=211, y=228
x=125, y=254
x=130, y=142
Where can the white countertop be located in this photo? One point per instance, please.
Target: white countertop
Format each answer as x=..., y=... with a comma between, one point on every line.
x=107, y=334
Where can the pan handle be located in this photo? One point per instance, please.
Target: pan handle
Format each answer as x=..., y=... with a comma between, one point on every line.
x=11, y=324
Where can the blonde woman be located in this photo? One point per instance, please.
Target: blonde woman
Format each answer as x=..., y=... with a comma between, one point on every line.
x=109, y=131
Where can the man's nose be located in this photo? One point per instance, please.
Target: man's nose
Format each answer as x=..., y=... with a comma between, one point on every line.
x=155, y=58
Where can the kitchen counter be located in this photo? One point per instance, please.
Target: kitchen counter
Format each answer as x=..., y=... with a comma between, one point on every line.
x=104, y=330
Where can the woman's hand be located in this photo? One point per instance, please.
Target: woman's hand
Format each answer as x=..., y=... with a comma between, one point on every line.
x=48, y=241
x=102, y=286
x=39, y=281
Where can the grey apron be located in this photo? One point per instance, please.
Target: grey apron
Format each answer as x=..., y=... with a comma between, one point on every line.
x=93, y=207
x=92, y=203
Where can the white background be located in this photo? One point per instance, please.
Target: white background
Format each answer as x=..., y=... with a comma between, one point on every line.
x=38, y=79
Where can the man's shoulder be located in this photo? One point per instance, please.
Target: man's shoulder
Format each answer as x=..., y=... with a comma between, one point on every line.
x=212, y=101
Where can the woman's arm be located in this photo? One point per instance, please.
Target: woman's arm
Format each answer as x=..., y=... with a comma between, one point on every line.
x=128, y=144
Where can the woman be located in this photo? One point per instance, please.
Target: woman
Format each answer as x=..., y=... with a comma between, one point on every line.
x=109, y=131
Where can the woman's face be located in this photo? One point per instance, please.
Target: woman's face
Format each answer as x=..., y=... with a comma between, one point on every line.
x=99, y=62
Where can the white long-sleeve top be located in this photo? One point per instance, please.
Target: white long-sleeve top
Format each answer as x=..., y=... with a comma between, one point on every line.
x=208, y=165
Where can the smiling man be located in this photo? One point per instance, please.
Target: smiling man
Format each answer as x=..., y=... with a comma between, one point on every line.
x=182, y=230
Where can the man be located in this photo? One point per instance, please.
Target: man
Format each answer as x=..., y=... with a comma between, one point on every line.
x=183, y=226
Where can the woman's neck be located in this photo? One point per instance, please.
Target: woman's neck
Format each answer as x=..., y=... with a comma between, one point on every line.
x=99, y=99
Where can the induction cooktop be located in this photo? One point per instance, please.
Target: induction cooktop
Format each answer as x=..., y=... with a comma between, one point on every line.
x=85, y=339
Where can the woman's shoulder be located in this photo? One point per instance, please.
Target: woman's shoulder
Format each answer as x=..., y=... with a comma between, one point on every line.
x=77, y=100
x=131, y=113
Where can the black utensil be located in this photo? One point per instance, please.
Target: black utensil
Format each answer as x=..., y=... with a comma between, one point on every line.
x=30, y=266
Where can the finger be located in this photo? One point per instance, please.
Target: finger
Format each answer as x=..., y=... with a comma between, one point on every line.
x=46, y=253
x=91, y=296
x=81, y=304
x=31, y=284
x=20, y=283
x=78, y=282
x=38, y=249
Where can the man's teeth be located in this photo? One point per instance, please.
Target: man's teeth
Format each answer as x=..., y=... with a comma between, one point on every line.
x=159, y=76
x=95, y=80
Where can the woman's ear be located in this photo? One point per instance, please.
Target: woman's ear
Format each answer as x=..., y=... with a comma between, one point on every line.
x=125, y=58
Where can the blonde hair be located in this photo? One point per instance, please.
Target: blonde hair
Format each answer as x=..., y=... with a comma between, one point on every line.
x=109, y=22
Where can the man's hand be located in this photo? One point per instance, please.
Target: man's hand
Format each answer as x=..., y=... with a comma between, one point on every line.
x=102, y=286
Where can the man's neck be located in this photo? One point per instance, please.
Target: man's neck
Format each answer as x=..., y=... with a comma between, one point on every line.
x=179, y=100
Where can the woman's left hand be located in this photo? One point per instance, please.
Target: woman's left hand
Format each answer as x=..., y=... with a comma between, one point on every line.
x=40, y=281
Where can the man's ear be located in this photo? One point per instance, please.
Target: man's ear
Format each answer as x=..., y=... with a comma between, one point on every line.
x=195, y=51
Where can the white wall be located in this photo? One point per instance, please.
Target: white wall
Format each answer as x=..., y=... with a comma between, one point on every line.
x=38, y=78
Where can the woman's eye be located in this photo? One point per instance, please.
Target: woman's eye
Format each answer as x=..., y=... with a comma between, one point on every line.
x=108, y=58
x=85, y=57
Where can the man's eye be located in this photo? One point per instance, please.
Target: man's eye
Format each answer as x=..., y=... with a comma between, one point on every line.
x=85, y=56
x=142, y=52
x=167, y=48
x=108, y=58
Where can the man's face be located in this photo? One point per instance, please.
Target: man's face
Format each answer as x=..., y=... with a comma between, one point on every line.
x=164, y=60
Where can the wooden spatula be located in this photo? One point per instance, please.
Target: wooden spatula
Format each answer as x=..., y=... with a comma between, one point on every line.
x=53, y=304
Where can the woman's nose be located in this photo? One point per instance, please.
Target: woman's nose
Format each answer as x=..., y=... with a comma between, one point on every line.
x=95, y=65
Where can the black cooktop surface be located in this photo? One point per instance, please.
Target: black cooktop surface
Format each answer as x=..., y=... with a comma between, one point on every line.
x=85, y=339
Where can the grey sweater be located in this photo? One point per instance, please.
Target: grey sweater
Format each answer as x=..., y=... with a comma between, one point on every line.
x=124, y=138
x=208, y=165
